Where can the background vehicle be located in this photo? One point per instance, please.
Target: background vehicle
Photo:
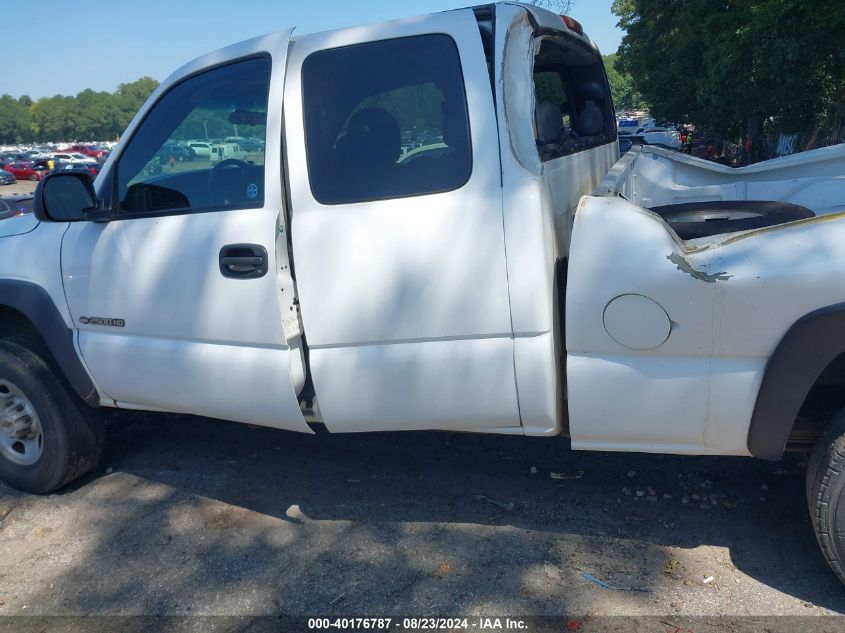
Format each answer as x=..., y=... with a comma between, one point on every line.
x=687, y=307
x=6, y=177
x=25, y=170
x=226, y=151
x=73, y=158
x=178, y=151
x=91, y=151
x=91, y=169
x=201, y=150
x=34, y=155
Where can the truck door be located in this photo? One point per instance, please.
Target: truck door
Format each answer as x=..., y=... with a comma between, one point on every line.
x=392, y=153
x=180, y=297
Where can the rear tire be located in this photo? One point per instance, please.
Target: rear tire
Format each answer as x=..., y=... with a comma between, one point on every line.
x=71, y=435
x=826, y=493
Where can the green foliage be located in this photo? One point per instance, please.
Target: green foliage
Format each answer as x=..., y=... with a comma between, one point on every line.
x=731, y=65
x=14, y=119
x=212, y=122
x=414, y=107
x=549, y=88
x=88, y=116
x=625, y=94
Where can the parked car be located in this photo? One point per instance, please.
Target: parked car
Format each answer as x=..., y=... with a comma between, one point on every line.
x=521, y=280
x=660, y=137
x=200, y=149
x=88, y=168
x=74, y=158
x=6, y=177
x=33, y=155
x=92, y=151
x=177, y=151
x=251, y=145
x=26, y=171
x=225, y=151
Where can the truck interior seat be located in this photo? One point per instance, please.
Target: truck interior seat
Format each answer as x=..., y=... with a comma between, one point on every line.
x=372, y=142
x=590, y=121
x=549, y=120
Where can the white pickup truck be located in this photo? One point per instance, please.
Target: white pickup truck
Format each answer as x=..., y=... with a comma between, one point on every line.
x=507, y=276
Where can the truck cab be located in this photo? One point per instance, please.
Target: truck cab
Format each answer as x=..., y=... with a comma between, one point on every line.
x=334, y=277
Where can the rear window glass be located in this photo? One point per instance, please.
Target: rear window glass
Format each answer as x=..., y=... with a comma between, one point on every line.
x=573, y=106
x=386, y=120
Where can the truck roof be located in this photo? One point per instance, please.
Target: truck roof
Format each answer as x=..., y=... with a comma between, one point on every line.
x=543, y=18
x=563, y=26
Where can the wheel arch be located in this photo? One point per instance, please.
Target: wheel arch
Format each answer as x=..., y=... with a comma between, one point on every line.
x=807, y=349
x=27, y=308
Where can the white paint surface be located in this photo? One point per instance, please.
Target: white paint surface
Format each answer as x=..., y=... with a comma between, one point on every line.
x=387, y=286
x=695, y=392
x=636, y=322
x=194, y=340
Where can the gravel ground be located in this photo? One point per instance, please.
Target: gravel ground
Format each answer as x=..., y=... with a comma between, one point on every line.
x=195, y=516
x=21, y=186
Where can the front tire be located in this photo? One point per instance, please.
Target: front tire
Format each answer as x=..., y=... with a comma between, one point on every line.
x=47, y=438
x=826, y=493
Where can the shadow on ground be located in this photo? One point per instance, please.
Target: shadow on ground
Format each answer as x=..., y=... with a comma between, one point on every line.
x=188, y=514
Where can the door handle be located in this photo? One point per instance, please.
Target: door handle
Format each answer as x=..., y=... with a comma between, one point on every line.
x=243, y=261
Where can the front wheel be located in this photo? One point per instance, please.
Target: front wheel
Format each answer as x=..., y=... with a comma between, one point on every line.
x=47, y=438
x=33, y=177
x=826, y=493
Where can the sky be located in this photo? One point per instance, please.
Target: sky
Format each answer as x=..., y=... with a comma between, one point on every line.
x=97, y=44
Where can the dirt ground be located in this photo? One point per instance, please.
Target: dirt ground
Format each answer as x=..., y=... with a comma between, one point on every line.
x=21, y=186
x=194, y=516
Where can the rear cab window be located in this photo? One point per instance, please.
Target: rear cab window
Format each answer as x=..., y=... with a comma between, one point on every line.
x=573, y=107
x=386, y=119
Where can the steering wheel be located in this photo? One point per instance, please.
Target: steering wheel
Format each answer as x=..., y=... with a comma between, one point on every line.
x=227, y=183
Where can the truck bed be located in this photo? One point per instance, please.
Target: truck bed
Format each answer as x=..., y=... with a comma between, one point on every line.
x=685, y=327
x=658, y=180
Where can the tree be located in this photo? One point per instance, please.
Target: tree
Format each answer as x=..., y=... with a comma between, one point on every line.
x=625, y=95
x=14, y=119
x=130, y=97
x=88, y=116
x=735, y=65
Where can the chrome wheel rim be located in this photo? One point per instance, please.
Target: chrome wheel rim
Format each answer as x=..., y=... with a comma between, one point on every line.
x=21, y=438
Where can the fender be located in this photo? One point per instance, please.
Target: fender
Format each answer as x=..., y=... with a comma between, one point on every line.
x=36, y=304
x=803, y=353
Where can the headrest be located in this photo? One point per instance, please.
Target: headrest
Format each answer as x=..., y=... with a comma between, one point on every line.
x=593, y=90
x=376, y=133
x=590, y=121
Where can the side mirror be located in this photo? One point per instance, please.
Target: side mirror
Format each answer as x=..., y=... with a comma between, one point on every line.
x=66, y=197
